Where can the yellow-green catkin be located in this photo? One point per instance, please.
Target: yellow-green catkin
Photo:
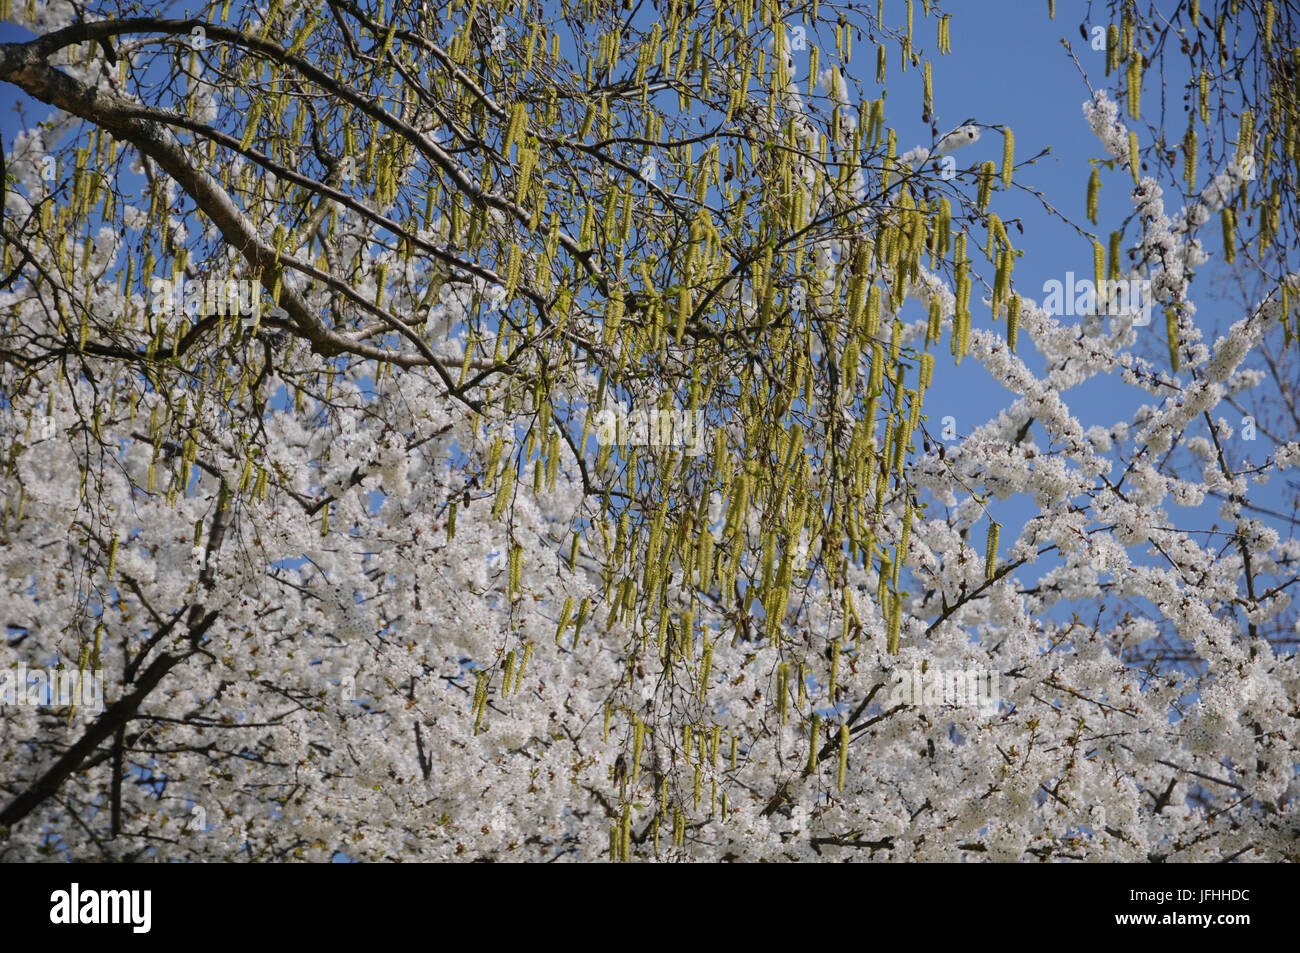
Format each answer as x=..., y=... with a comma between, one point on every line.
x=943, y=231
x=1013, y=321
x=638, y=741
x=1133, y=163
x=564, y=618
x=516, y=568
x=873, y=311
x=985, y=190
x=509, y=672
x=1094, y=187
x=1134, y=80
x=936, y=320
x=895, y=623
x=504, y=492
x=480, y=698
x=1001, y=280
x=1246, y=140
x=1171, y=332
x=1189, y=157
x=706, y=664
x=835, y=667
x=1008, y=155
x=1113, y=263
x=991, y=551
x=523, y=664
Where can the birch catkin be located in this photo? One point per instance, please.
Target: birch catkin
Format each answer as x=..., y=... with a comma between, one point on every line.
x=1008, y=155
x=1134, y=79
x=1013, y=321
x=1094, y=187
x=991, y=551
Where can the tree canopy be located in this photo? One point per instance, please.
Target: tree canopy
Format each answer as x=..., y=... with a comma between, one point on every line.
x=497, y=430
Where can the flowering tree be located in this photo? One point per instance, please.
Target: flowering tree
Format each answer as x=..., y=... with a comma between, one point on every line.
x=496, y=432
